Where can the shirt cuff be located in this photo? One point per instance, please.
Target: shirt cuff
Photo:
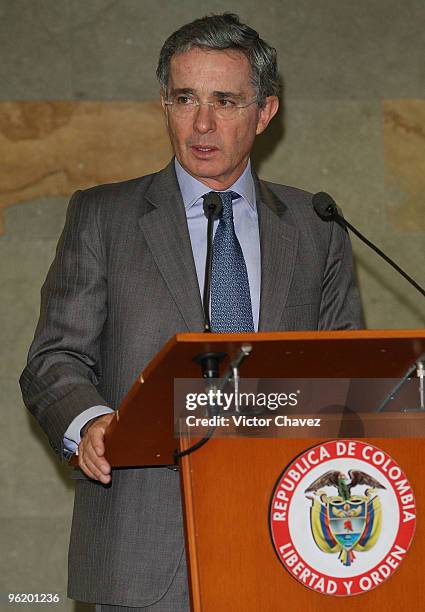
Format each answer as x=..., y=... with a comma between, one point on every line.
x=72, y=436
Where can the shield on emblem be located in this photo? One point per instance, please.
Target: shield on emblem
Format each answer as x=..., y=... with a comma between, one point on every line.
x=347, y=520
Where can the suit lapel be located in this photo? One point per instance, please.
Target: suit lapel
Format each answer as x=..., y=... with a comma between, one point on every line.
x=164, y=225
x=278, y=242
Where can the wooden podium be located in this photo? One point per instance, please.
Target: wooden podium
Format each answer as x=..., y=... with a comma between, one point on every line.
x=227, y=484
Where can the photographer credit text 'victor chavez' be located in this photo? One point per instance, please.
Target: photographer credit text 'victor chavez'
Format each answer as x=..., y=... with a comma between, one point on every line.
x=280, y=420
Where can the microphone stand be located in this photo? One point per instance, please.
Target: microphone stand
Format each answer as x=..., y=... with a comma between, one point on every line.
x=326, y=208
x=212, y=210
x=392, y=263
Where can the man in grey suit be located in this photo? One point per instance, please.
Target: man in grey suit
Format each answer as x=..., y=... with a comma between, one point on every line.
x=128, y=275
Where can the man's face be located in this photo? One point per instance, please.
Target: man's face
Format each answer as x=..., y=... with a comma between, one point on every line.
x=214, y=150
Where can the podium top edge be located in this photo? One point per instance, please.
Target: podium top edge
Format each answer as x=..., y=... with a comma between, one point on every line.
x=410, y=340
x=352, y=334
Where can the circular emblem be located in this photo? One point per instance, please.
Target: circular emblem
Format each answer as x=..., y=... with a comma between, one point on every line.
x=342, y=517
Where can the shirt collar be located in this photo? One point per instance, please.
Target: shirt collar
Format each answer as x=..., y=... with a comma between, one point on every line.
x=192, y=189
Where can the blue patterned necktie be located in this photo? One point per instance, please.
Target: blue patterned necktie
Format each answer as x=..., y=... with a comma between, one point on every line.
x=231, y=309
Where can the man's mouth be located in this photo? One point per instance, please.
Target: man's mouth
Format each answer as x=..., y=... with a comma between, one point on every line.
x=203, y=148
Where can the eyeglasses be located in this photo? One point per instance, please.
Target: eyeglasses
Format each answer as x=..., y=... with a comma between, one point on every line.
x=183, y=105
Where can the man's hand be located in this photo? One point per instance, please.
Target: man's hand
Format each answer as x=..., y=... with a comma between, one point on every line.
x=91, y=450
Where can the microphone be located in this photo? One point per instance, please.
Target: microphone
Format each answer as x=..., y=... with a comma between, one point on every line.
x=212, y=205
x=212, y=210
x=326, y=208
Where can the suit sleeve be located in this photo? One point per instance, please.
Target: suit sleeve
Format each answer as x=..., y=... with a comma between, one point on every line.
x=63, y=368
x=340, y=306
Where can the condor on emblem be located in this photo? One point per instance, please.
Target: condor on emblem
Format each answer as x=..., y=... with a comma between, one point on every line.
x=342, y=517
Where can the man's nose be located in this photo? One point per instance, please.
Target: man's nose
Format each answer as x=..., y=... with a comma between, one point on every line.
x=204, y=119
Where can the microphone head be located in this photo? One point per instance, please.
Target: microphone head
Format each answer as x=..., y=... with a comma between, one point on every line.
x=325, y=206
x=212, y=205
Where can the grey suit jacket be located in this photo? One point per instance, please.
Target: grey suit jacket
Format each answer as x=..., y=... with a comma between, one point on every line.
x=122, y=283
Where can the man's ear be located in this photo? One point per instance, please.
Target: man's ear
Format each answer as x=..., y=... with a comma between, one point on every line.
x=266, y=113
x=162, y=96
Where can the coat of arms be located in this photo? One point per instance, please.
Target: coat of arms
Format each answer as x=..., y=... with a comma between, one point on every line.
x=361, y=508
x=345, y=522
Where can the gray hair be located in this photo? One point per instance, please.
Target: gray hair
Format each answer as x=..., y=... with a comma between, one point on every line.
x=219, y=32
